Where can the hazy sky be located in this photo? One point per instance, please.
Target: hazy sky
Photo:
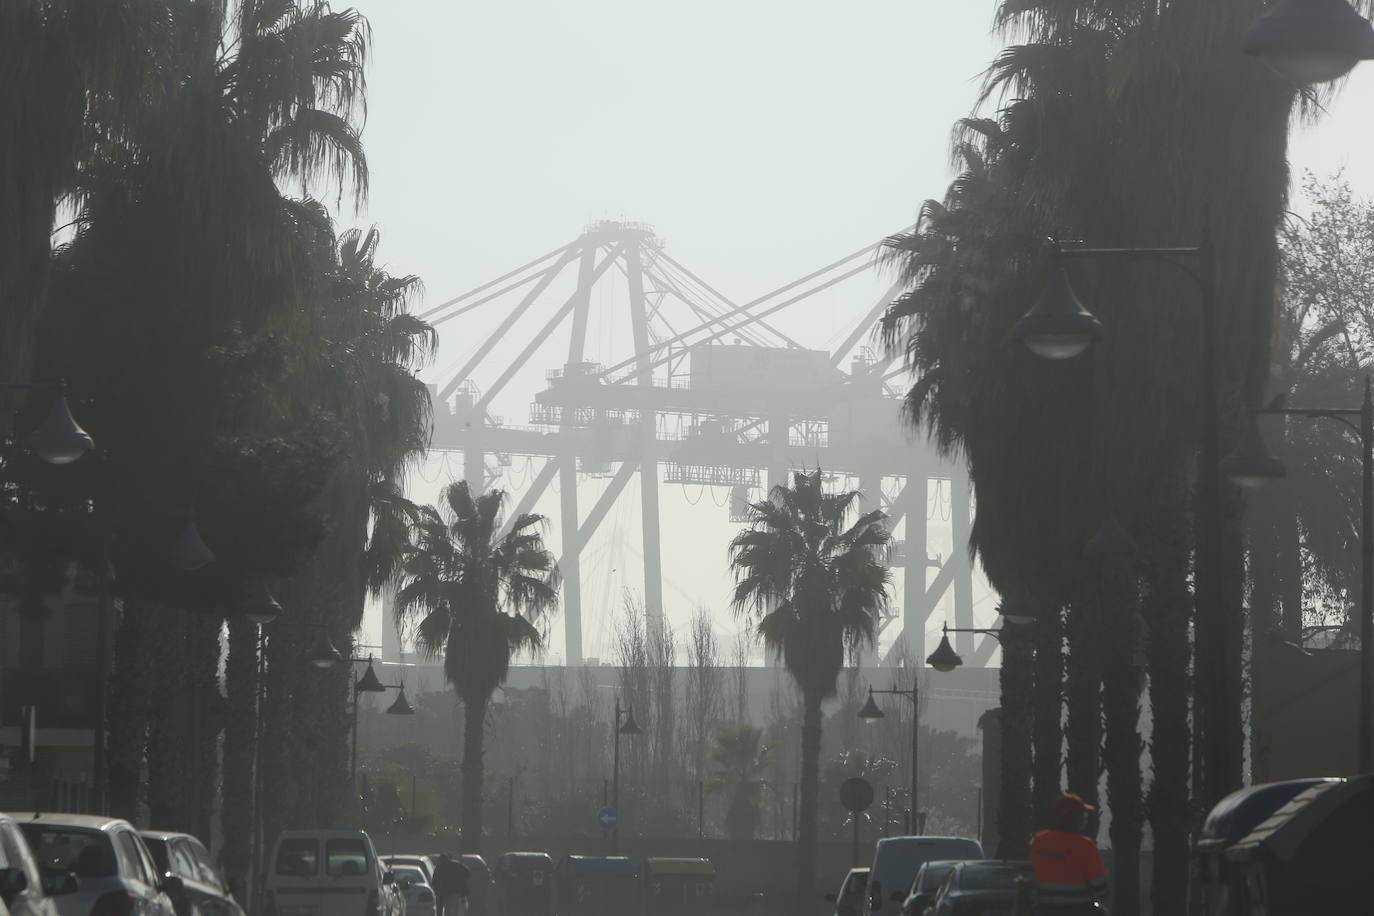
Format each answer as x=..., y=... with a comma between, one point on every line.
x=761, y=139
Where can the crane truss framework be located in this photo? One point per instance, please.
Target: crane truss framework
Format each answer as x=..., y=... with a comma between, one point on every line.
x=689, y=407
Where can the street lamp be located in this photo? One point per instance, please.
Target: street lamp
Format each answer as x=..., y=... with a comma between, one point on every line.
x=1252, y=464
x=1059, y=327
x=261, y=608
x=1311, y=41
x=871, y=713
x=628, y=727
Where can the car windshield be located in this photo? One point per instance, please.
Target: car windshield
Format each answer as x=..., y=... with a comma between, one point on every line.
x=934, y=877
x=345, y=857
x=158, y=849
x=85, y=853
x=299, y=857
x=407, y=874
x=989, y=878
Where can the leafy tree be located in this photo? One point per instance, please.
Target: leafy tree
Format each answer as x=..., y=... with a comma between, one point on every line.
x=479, y=591
x=814, y=583
x=739, y=760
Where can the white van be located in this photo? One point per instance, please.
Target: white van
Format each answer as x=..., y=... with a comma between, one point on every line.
x=328, y=873
x=898, y=858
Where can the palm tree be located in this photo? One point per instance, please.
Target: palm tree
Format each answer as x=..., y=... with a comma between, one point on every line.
x=739, y=760
x=814, y=583
x=480, y=591
x=76, y=76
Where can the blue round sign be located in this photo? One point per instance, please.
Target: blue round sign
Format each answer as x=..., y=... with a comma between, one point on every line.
x=607, y=818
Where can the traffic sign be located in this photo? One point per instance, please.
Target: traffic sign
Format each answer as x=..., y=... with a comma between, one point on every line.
x=856, y=793
x=608, y=818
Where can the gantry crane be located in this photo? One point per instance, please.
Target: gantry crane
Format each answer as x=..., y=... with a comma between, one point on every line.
x=713, y=394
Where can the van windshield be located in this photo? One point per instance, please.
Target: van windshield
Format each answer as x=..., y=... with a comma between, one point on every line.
x=298, y=857
x=345, y=857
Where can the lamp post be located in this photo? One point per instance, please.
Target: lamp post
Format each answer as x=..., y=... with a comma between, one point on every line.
x=872, y=713
x=629, y=727
x=1253, y=465
x=1311, y=41
x=1059, y=327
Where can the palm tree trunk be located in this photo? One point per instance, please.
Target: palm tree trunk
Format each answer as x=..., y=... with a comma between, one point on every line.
x=130, y=713
x=474, y=738
x=240, y=737
x=1013, y=803
x=1083, y=688
x=1166, y=611
x=1048, y=735
x=1122, y=746
x=810, y=791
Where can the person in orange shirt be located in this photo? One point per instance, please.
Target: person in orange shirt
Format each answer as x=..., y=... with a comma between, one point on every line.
x=1069, y=876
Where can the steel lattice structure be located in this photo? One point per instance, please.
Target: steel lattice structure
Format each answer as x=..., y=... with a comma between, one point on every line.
x=686, y=407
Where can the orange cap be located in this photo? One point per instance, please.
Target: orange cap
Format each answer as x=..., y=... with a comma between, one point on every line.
x=1070, y=804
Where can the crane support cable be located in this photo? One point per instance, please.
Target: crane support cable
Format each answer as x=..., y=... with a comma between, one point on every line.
x=749, y=318
x=538, y=340
x=728, y=302
x=506, y=323
x=853, y=271
x=501, y=279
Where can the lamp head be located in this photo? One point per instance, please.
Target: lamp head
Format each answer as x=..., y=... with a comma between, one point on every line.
x=1251, y=464
x=323, y=654
x=59, y=440
x=261, y=607
x=369, y=683
x=871, y=712
x=944, y=658
x=402, y=706
x=190, y=553
x=1311, y=41
x=631, y=727
x=1057, y=326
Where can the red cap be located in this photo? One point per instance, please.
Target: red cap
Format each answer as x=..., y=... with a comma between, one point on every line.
x=1069, y=804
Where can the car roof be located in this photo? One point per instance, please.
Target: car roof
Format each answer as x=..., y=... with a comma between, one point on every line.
x=86, y=821
x=861, y=870
x=166, y=835
x=322, y=834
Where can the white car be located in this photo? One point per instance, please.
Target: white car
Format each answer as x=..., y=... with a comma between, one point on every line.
x=413, y=881
x=114, y=871
x=329, y=873
x=25, y=889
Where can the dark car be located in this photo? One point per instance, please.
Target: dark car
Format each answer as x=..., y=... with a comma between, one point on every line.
x=479, y=883
x=200, y=890
x=986, y=887
x=921, y=897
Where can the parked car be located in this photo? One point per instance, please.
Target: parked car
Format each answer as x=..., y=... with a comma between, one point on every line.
x=334, y=872
x=849, y=900
x=25, y=889
x=115, y=872
x=414, y=860
x=921, y=897
x=414, y=885
x=896, y=861
x=479, y=883
x=987, y=888
x=199, y=889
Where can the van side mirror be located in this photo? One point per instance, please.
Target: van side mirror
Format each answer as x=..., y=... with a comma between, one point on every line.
x=12, y=881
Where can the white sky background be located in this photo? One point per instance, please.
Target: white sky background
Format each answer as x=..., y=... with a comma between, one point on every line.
x=762, y=139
